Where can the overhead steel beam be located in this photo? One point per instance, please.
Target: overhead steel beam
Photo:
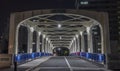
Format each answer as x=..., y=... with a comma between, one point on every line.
x=60, y=33
x=60, y=44
x=60, y=36
x=60, y=40
x=62, y=23
x=56, y=28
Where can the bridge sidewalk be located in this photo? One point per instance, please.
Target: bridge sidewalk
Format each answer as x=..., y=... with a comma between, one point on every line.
x=27, y=66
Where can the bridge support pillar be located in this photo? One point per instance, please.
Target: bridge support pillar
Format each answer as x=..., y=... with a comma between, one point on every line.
x=82, y=42
x=49, y=47
x=78, y=44
x=30, y=41
x=38, y=42
x=74, y=44
x=46, y=48
x=90, y=40
x=72, y=47
x=43, y=43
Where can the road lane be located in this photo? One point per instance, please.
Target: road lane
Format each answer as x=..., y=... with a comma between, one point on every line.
x=68, y=63
x=78, y=64
x=53, y=64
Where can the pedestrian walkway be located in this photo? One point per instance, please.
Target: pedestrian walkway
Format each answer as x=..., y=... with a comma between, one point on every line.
x=29, y=65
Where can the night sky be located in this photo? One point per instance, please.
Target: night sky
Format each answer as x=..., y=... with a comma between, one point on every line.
x=9, y=6
x=20, y=5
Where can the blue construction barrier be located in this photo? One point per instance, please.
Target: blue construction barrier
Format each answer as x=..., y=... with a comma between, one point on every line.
x=26, y=56
x=92, y=56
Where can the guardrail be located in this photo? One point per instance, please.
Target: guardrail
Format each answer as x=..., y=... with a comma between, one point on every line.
x=97, y=57
x=29, y=56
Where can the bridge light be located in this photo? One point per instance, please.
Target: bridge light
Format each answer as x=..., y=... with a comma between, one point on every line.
x=39, y=33
x=35, y=20
x=88, y=29
x=74, y=38
x=59, y=25
x=84, y=2
x=80, y=33
x=59, y=49
x=43, y=36
x=77, y=35
x=47, y=39
x=60, y=37
x=32, y=29
x=72, y=41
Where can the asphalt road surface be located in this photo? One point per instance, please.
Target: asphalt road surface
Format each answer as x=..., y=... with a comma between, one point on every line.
x=62, y=63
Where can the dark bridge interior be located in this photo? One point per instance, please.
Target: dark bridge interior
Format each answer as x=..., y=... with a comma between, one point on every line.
x=61, y=51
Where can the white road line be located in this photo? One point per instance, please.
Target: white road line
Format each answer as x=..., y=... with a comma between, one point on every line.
x=68, y=64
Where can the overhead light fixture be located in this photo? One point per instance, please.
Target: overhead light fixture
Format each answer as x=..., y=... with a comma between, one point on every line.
x=72, y=41
x=39, y=33
x=32, y=29
x=59, y=49
x=81, y=33
x=74, y=38
x=84, y=2
x=35, y=20
x=47, y=39
x=88, y=29
x=43, y=36
x=59, y=25
x=77, y=35
x=60, y=37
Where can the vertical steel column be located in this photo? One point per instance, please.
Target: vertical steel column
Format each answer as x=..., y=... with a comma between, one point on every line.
x=30, y=41
x=82, y=42
x=16, y=41
x=90, y=43
x=38, y=42
x=78, y=43
x=43, y=43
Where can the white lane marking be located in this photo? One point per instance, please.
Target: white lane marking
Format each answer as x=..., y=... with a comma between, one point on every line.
x=68, y=64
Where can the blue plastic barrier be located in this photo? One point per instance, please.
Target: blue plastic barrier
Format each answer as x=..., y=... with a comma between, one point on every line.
x=26, y=56
x=93, y=56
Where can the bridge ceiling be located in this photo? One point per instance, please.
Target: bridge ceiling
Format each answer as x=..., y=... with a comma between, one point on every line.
x=59, y=28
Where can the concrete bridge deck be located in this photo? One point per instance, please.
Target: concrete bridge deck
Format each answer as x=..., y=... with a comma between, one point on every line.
x=59, y=63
